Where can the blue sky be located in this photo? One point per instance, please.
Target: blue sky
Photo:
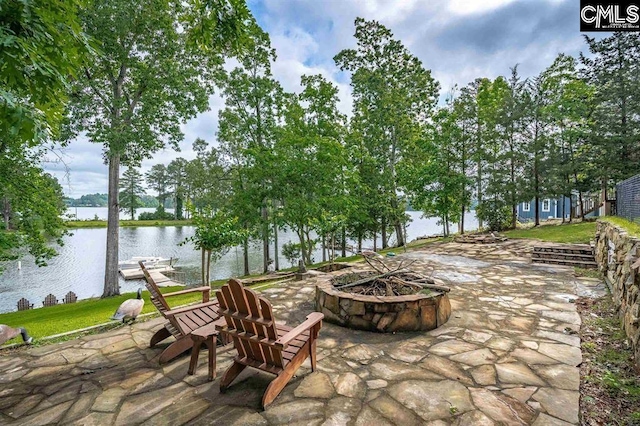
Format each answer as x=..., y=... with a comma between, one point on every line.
x=459, y=40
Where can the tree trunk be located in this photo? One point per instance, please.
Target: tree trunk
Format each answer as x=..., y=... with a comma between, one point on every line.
x=303, y=244
x=276, y=254
x=359, y=242
x=383, y=232
x=6, y=212
x=208, y=282
x=375, y=241
x=265, y=239
x=324, y=248
x=203, y=263
x=397, y=225
x=245, y=256
x=179, y=208
x=111, y=284
x=344, y=242
x=309, y=246
x=581, y=204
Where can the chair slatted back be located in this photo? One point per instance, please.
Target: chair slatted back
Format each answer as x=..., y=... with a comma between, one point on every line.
x=250, y=324
x=50, y=300
x=23, y=304
x=157, y=298
x=70, y=297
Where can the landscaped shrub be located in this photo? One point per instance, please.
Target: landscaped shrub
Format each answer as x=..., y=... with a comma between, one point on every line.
x=496, y=217
x=292, y=252
x=157, y=215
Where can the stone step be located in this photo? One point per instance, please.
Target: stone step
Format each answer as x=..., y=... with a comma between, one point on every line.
x=576, y=263
x=564, y=250
x=566, y=256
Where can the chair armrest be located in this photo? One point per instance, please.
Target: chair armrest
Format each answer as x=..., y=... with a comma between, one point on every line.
x=312, y=319
x=177, y=311
x=190, y=290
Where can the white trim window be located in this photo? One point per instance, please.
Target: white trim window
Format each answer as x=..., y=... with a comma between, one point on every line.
x=546, y=205
x=526, y=206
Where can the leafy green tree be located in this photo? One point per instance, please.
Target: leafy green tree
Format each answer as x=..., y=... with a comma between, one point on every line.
x=215, y=234
x=513, y=121
x=158, y=63
x=176, y=174
x=309, y=158
x=207, y=182
x=291, y=251
x=39, y=56
x=613, y=69
x=158, y=180
x=393, y=97
x=246, y=132
x=571, y=112
x=432, y=176
x=32, y=208
x=130, y=191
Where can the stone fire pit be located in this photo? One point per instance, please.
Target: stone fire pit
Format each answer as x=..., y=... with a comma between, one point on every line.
x=422, y=310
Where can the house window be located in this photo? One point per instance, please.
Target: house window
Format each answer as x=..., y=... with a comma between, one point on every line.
x=546, y=205
x=526, y=206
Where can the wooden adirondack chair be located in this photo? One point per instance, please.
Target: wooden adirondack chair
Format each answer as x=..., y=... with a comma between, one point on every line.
x=70, y=297
x=50, y=300
x=260, y=342
x=182, y=321
x=24, y=304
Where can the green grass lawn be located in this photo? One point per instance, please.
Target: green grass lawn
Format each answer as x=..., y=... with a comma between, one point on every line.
x=631, y=227
x=103, y=223
x=58, y=319
x=558, y=233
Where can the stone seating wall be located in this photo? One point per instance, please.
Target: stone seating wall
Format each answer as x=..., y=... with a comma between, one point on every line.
x=615, y=261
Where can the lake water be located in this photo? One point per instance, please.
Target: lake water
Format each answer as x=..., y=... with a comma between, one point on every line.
x=79, y=267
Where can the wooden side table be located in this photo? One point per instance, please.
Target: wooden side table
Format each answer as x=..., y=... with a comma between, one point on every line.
x=207, y=334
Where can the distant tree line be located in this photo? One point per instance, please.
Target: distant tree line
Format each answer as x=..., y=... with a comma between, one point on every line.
x=100, y=200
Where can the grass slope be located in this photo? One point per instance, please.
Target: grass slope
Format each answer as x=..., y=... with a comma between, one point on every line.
x=631, y=227
x=566, y=233
x=57, y=319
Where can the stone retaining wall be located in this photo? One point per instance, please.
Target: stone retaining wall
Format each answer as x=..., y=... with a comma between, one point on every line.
x=616, y=251
x=382, y=314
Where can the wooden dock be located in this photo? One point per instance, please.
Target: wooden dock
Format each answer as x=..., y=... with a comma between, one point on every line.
x=157, y=274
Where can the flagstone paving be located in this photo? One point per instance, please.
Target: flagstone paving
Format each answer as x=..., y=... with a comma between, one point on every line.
x=508, y=355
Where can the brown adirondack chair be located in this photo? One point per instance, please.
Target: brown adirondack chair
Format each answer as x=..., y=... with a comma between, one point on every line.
x=24, y=304
x=50, y=300
x=182, y=321
x=70, y=297
x=260, y=342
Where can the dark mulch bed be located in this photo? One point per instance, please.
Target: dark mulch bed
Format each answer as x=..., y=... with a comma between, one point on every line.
x=609, y=385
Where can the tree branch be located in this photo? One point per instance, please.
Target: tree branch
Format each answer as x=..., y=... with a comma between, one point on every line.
x=95, y=89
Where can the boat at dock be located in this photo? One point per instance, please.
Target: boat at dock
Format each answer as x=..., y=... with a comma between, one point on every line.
x=150, y=262
x=130, y=269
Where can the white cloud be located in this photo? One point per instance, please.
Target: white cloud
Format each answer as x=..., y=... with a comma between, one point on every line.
x=469, y=7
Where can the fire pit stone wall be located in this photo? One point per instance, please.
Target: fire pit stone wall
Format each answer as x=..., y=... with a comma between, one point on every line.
x=382, y=313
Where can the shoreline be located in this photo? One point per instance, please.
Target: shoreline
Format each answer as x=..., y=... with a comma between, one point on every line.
x=76, y=224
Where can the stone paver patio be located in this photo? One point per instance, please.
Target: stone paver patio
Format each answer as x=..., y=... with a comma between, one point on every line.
x=508, y=355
